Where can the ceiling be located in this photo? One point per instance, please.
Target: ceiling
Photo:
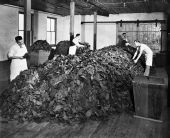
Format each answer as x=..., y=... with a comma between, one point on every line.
x=103, y=7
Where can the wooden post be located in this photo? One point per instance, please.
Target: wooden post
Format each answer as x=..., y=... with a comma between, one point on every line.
x=82, y=28
x=95, y=31
x=27, y=22
x=72, y=11
x=163, y=38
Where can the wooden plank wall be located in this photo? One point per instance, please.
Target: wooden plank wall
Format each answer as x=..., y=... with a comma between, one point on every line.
x=147, y=33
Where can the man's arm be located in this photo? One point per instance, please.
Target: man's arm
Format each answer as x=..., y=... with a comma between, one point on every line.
x=77, y=42
x=134, y=56
x=15, y=57
x=139, y=55
x=10, y=54
x=81, y=44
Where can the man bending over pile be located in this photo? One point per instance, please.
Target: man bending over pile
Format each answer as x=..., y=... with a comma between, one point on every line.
x=140, y=48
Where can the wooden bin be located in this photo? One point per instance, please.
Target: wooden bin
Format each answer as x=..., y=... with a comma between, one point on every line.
x=160, y=59
x=38, y=57
x=150, y=97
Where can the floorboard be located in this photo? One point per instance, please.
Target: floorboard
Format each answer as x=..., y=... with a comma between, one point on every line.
x=117, y=126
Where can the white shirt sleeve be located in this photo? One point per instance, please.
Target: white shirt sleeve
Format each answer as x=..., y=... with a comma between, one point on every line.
x=76, y=41
x=25, y=49
x=11, y=51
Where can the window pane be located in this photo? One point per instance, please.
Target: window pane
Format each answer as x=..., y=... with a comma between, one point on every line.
x=48, y=37
x=21, y=33
x=52, y=37
x=48, y=24
x=52, y=24
x=21, y=21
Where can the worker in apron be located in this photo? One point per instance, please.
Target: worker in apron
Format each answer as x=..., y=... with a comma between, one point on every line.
x=17, y=55
x=148, y=55
x=77, y=43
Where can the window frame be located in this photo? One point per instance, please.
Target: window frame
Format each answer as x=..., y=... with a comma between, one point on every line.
x=32, y=27
x=19, y=24
x=55, y=31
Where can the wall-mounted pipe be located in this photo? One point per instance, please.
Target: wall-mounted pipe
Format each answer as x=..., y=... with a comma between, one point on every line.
x=134, y=21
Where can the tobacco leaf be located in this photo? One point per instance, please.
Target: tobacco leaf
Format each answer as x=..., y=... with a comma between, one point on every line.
x=74, y=88
x=40, y=45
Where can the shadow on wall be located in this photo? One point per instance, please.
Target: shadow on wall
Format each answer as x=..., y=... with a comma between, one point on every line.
x=120, y=39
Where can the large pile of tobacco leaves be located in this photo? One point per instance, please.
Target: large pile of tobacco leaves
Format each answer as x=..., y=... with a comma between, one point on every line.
x=40, y=45
x=62, y=48
x=74, y=88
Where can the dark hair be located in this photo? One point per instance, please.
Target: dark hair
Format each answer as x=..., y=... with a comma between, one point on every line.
x=17, y=38
x=77, y=35
x=137, y=41
x=123, y=33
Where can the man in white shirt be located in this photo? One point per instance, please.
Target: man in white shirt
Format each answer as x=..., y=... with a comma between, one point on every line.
x=148, y=55
x=76, y=41
x=17, y=55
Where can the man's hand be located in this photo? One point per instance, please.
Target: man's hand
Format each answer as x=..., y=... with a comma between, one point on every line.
x=20, y=57
x=26, y=55
x=127, y=44
x=135, y=61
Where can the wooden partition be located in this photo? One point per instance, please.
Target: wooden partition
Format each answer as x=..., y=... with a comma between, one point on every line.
x=150, y=96
x=151, y=34
x=4, y=74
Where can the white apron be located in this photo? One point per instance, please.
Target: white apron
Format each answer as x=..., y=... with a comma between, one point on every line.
x=148, y=54
x=17, y=65
x=72, y=50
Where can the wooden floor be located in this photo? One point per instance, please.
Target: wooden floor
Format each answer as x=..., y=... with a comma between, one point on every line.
x=118, y=126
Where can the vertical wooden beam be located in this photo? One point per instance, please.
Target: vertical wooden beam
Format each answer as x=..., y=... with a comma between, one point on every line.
x=27, y=22
x=72, y=11
x=35, y=27
x=95, y=31
x=163, y=37
x=82, y=28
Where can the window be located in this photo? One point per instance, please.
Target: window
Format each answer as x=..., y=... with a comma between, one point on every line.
x=51, y=30
x=21, y=25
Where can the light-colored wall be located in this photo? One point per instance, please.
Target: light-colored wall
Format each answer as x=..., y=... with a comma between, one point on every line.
x=40, y=25
x=63, y=27
x=106, y=32
x=8, y=29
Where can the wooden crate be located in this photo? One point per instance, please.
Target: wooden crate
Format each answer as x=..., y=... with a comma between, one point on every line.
x=160, y=59
x=39, y=57
x=150, y=97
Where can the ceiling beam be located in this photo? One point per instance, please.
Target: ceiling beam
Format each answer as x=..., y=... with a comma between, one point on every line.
x=111, y=2
x=103, y=6
x=63, y=6
x=100, y=9
x=148, y=4
x=44, y=7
